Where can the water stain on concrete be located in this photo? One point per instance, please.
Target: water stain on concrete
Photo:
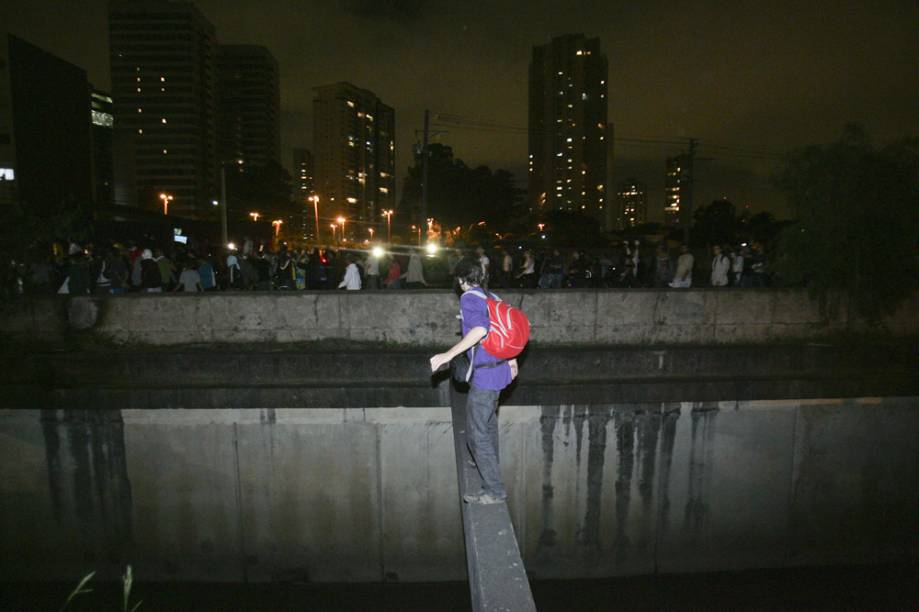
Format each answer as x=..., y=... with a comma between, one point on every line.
x=547, y=422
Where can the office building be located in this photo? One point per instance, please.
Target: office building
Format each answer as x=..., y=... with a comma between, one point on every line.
x=355, y=159
x=632, y=198
x=674, y=181
x=249, y=103
x=301, y=191
x=103, y=128
x=567, y=163
x=45, y=139
x=163, y=59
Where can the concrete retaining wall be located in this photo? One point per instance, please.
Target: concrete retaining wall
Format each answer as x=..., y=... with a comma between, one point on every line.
x=370, y=494
x=425, y=318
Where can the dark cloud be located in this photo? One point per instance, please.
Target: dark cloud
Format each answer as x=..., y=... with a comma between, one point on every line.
x=395, y=10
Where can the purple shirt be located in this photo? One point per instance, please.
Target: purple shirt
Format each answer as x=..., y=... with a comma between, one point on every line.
x=474, y=313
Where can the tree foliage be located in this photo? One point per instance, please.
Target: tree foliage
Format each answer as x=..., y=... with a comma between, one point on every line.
x=857, y=212
x=462, y=195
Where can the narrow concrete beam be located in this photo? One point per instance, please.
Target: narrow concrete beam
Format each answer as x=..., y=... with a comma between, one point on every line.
x=497, y=578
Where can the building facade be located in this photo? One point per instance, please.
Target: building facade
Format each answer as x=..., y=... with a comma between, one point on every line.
x=249, y=102
x=45, y=135
x=567, y=165
x=163, y=62
x=632, y=199
x=103, y=128
x=355, y=158
x=674, y=182
x=302, y=190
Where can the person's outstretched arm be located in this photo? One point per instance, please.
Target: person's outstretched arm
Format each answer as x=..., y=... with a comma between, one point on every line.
x=473, y=337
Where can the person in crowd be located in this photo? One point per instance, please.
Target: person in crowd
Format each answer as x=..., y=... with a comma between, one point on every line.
x=663, y=266
x=720, y=267
x=682, y=277
x=316, y=270
x=77, y=275
x=490, y=376
x=167, y=270
x=507, y=268
x=234, y=272
x=394, y=275
x=526, y=277
x=414, y=276
x=189, y=279
x=482, y=258
x=116, y=268
x=352, y=279
x=301, y=268
x=553, y=271
x=741, y=267
x=262, y=272
x=758, y=266
x=207, y=274
x=42, y=275
x=285, y=276
x=577, y=271
x=372, y=271
x=151, y=280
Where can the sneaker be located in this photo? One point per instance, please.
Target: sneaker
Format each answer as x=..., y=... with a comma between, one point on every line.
x=483, y=498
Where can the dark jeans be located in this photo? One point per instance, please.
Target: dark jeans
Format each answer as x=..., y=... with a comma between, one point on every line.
x=482, y=437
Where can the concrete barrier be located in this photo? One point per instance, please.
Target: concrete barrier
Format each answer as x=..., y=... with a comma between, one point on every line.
x=427, y=318
x=332, y=495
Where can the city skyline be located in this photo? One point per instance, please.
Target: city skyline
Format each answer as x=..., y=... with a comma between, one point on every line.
x=751, y=78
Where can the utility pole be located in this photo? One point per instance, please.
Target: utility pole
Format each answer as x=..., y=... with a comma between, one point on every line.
x=424, y=171
x=686, y=204
x=223, y=204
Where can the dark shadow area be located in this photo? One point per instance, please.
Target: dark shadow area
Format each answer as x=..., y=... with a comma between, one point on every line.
x=883, y=587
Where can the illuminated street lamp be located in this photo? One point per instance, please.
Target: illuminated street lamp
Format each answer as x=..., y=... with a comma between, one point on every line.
x=541, y=226
x=166, y=198
x=333, y=226
x=255, y=215
x=277, y=227
x=342, y=221
x=370, y=229
x=315, y=200
x=388, y=215
x=417, y=229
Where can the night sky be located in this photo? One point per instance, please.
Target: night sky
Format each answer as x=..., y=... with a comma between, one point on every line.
x=757, y=76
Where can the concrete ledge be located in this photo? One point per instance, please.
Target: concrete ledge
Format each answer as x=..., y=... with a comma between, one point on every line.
x=426, y=318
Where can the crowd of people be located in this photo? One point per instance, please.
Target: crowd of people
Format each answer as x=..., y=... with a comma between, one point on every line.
x=114, y=269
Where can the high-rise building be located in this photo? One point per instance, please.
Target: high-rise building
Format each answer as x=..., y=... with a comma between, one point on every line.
x=568, y=125
x=355, y=153
x=302, y=190
x=633, y=203
x=674, y=173
x=45, y=141
x=103, y=127
x=164, y=86
x=249, y=102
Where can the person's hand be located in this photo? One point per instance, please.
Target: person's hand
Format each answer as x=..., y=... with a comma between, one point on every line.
x=514, y=368
x=439, y=360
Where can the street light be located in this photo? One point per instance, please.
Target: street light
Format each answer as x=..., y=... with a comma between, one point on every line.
x=255, y=215
x=388, y=214
x=418, y=229
x=166, y=198
x=342, y=221
x=277, y=227
x=333, y=226
x=370, y=229
x=315, y=199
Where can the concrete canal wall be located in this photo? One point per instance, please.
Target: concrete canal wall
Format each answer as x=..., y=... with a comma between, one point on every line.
x=370, y=494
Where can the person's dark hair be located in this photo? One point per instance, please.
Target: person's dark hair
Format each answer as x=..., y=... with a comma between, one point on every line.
x=470, y=271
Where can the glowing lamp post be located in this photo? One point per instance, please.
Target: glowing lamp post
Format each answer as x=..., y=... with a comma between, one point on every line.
x=277, y=223
x=341, y=220
x=315, y=200
x=370, y=229
x=388, y=215
x=255, y=216
x=166, y=198
x=333, y=226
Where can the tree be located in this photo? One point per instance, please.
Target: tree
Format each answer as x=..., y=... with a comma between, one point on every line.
x=716, y=223
x=857, y=214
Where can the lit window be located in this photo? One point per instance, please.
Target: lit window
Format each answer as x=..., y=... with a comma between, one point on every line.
x=140, y=131
x=140, y=110
x=350, y=103
x=165, y=151
x=162, y=79
x=579, y=52
x=163, y=120
x=352, y=200
x=384, y=190
x=584, y=96
x=138, y=90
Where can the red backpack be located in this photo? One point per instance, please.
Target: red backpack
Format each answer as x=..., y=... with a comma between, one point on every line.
x=509, y=328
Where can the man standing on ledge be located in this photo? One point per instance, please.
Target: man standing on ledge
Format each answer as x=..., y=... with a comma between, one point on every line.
x=489, y=376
